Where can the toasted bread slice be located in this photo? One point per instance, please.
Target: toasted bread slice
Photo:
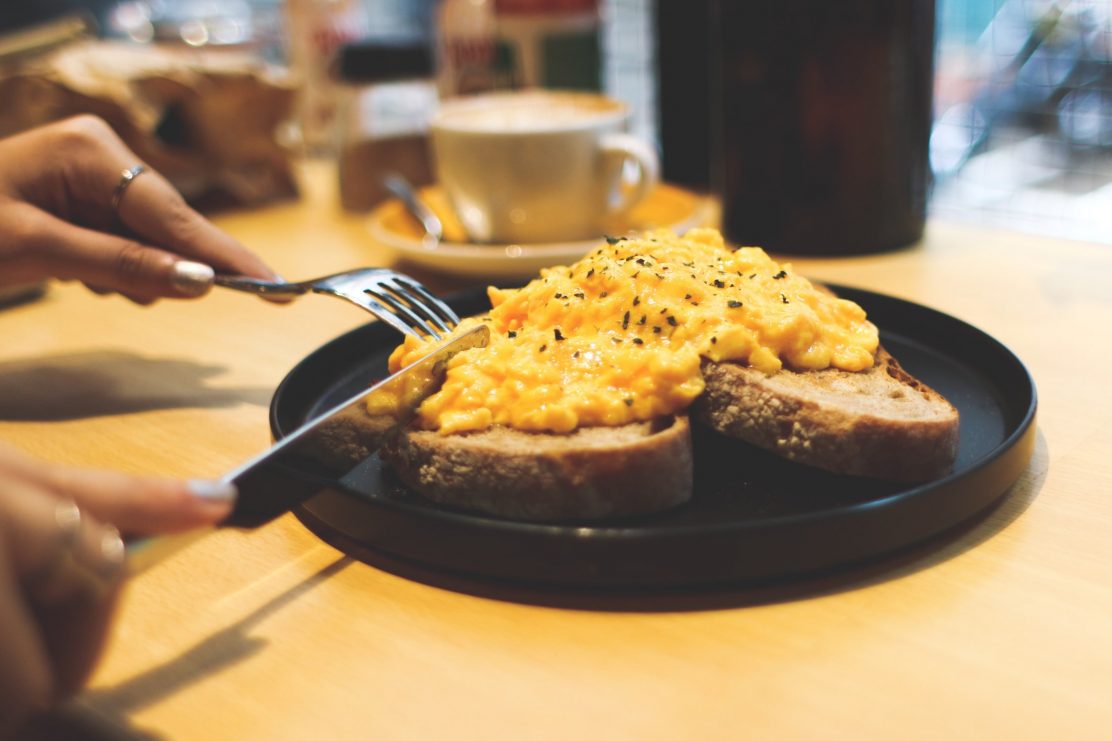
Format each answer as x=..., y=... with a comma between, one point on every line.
x=881, y=423
x=592, y=473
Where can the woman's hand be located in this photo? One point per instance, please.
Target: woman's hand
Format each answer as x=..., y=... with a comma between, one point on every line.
x=67, y=212
x=58, y=219
x=61, y=563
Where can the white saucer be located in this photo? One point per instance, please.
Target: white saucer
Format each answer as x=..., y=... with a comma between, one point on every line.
x=498, y=260
x=485, y=260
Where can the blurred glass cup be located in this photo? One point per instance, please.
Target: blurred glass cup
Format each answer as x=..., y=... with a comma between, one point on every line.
x=822, y=116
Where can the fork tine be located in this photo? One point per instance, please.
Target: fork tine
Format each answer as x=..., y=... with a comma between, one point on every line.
x=390, y=315
x=401, y=309
x=396, y=299
x=384, y=313
x=423, y=304
x=431, y=302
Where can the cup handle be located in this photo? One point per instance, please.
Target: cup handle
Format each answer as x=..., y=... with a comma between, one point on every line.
x=629, y=147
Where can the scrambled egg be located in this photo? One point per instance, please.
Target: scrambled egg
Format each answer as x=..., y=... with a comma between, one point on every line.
x=618, y=336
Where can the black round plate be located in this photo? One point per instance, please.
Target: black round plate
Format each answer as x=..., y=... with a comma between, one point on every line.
x=753, y=516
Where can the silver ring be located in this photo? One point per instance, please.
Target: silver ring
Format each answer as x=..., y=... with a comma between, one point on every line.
x=69, y=569
x=67, y=516
x=125, y=180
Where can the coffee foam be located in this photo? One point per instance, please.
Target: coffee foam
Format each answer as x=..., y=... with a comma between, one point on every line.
x=526, y=112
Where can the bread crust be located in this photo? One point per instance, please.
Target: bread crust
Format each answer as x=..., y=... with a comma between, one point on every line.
x=880, y=423
x=592, y=473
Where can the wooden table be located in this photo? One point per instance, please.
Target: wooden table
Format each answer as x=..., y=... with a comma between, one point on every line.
x=1003, y=631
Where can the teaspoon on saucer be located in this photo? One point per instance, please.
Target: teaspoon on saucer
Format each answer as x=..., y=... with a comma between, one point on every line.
x=418, y=209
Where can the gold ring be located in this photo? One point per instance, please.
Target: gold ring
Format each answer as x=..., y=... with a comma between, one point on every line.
x=125, y=180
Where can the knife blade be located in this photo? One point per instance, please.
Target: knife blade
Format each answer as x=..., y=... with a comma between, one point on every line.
x=322, y=450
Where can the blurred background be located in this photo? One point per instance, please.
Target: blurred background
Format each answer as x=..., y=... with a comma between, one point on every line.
x=1021, y=138
x=1023, y=115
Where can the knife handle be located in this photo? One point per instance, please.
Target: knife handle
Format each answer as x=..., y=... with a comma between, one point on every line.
x=265, y=492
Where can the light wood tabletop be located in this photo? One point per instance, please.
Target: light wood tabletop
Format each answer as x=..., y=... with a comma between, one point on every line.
x=1001, y=630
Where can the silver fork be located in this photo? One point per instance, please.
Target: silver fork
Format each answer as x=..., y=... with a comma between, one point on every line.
x=396, y=299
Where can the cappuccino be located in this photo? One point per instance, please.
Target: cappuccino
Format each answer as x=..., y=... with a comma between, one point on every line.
x=538, y=166
x=530, y=111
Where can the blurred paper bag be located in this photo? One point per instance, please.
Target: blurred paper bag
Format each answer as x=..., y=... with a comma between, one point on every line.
x=208, y=121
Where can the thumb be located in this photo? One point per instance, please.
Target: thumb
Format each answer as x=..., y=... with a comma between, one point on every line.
x=139, y=271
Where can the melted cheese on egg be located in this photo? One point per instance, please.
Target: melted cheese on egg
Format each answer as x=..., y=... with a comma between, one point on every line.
x=619, y=336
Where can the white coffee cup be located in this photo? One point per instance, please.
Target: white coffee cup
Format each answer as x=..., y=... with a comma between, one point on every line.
x=539, y=166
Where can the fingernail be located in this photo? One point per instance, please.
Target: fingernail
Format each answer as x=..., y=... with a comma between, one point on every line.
x=112, y=548
x=192, y=278
x=103, y=574
x=213, y=491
